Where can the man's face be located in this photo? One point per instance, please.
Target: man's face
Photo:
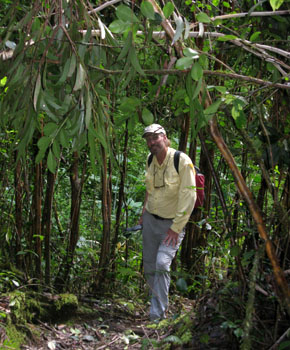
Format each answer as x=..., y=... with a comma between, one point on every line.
x=155, y=142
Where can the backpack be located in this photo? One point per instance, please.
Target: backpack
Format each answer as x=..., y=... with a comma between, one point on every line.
x=199, y=178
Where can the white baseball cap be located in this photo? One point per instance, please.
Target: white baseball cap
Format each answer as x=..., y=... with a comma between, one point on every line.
x=154, y=129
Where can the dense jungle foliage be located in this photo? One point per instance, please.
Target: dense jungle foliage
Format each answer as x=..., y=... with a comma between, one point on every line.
x=79, y=81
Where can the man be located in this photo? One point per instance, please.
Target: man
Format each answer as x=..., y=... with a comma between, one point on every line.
x=169, y=201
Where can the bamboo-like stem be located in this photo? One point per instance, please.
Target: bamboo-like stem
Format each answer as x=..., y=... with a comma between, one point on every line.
x=248, y=321
x=255, y=211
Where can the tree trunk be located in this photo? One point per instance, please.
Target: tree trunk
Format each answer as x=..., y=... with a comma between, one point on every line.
x=76, y=197
x=255, y=211
x=37, y=219
x=46, y=223
x=18, y=212
x=106, y=215
x=121, y=193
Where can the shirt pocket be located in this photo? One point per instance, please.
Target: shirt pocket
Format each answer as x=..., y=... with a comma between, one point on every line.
x=172, y=179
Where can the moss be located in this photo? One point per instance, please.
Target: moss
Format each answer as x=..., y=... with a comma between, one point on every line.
x=65, y=305
x=14, y=338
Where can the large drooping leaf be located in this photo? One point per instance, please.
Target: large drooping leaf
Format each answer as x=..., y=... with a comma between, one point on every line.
x=147, y=116
x=134, y=60
x=168, y=9
x=196, y=71
x=51, y=161
x=125, y=14
x=147, y=9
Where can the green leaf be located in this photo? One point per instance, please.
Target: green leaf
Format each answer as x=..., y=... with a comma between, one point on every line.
x=181, y=285
x=72, y=66
x=157, y=18
x=168, y=9
x=126, y=47
x=212, y=109
x=284, y=345
x=276, y=4
x=51, y=162
x=235, y=250
x=49, y=129
x=63, y=138
x=43, y=143
x=65, y=73
x=56, y=148
x=147, y=116
x=134, y=60
x=197, y=88
x=227, y=37
x=80, y=78
x=196, y=71
x=125, y=14
x=88, y=109
x=255, y=36
x=203, y=18
x=129, y=104
x=147, y=9
x=37, y=91
x=118, y=26
x=221, y=89
x=184, y=62
x=188, y=52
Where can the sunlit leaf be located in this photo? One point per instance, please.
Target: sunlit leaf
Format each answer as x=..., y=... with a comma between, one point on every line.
x=179, y=28
x=147, y=116
x=227, y=37
x=168, y=9
x=203, y=17
x=188, y=52
x=184, y=62
x=147, y=9
x=276, y=4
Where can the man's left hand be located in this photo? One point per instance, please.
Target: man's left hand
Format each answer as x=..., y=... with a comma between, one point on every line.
x=172, y=238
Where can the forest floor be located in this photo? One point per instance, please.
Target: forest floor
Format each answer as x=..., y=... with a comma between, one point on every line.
x=117, y=324
x=120, y=323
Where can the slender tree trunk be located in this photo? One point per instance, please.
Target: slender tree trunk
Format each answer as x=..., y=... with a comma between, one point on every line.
x=18, y=212
x=106, y=215
x=255, y=211
x=76, y=198
x=185, y=128
x=121, y=193
x=46, y=223
x=37, y=219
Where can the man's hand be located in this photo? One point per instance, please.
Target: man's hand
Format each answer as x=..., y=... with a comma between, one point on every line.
x=171, y=238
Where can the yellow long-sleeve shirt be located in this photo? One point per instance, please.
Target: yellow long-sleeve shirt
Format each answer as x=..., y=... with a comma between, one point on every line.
x=170, y=194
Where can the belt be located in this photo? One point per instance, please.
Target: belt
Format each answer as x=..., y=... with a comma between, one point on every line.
x=159, y=217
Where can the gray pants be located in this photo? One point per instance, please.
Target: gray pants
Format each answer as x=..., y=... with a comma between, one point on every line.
x=157, y=258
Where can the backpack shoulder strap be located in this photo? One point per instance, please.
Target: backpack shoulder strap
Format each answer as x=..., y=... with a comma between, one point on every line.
x=150, y=158
x=176, y=160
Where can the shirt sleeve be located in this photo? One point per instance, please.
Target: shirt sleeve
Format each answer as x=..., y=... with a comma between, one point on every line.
x=186, y=195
